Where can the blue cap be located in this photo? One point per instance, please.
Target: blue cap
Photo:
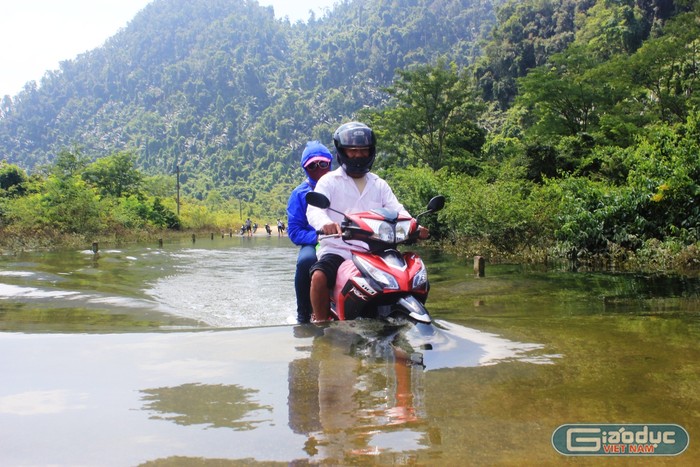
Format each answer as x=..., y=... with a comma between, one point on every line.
x=315, y=150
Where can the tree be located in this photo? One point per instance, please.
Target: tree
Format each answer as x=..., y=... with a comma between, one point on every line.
x=667, y=69
x=561, y=98
x=612, y=27
x=69, y=205
x=12, y=180
x=68, y=163
x=527, y=33
x=114, y=175
x=5, y=106
x=162, y=216
x=431, y=117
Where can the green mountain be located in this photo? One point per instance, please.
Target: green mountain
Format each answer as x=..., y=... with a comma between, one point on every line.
x=570, y=126
x=226, y=92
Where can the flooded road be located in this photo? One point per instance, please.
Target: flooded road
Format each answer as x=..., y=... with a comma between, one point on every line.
x=187, y=354
x=224, y=282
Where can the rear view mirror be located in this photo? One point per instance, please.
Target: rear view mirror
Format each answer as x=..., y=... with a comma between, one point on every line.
x=436, y=204
x=317, y=199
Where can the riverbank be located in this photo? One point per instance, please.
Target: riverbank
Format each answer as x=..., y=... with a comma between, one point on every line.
x=654, y=257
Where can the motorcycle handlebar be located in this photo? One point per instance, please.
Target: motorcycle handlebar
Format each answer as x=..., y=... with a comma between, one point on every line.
x=321, y=235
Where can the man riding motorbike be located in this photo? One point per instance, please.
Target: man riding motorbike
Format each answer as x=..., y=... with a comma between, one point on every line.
x=350, y=188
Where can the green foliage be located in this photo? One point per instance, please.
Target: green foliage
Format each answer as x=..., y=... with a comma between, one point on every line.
x=527, y=33
x=114, y=175
x=594, y=216
x=12, y=180
x=659, y=200
x=414, y=187
x=431, y=119
x=197, y=217
x=503, y=212
x=563, y=98
x=82, y=199
x=609, y=28
x=613, y=95
x=665, y=167
x=162, y=217
x=665, y=69
x=68, y=164
x=160, y=186
x=66, y=205
x=132, y=212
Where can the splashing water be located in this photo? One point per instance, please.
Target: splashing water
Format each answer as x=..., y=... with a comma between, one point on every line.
x=239, y=287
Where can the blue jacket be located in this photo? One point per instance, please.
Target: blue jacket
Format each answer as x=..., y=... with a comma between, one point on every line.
x=298, y=228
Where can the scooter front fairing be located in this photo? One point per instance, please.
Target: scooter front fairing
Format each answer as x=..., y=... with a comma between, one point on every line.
x=379, y=284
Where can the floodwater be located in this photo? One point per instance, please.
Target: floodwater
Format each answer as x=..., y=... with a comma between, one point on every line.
x=188, y=355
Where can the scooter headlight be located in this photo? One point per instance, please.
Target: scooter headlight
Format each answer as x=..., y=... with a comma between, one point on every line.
x=402, y=229
x=384, y=279
x=420, y=280
x=382, y=230
x=387, y=232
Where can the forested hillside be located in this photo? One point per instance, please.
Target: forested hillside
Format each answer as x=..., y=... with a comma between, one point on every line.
x=563, y=128
x=226, y=91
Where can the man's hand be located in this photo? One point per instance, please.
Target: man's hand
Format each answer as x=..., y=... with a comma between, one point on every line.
x=331, y=229
x=423, y=232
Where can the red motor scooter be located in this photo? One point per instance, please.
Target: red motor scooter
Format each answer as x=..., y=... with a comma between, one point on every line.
x=381, y=282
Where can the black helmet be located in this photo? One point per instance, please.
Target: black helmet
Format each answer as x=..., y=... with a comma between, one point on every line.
x=355, y=135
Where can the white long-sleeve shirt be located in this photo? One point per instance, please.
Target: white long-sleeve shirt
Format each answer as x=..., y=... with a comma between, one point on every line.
x=345, y=197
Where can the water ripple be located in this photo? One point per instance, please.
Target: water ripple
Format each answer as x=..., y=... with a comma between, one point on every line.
x=231, y=288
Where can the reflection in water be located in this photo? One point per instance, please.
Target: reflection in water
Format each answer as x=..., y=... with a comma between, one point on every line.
x=42, y=402
x=458, y=346
x=360, y=389
x=354, y=395
x=213, y=405
x=78, y=399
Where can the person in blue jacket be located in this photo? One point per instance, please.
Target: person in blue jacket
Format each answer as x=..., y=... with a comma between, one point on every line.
x=316, y=161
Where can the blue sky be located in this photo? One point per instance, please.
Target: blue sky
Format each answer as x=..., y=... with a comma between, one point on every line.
x=36, y=35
